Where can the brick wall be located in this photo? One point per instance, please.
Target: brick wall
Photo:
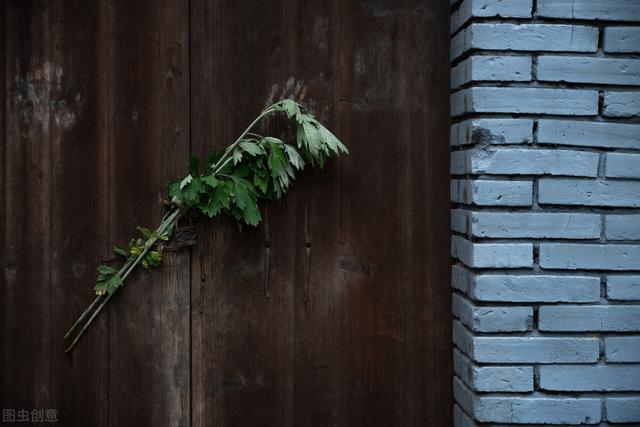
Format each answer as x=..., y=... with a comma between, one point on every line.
x=545, y=189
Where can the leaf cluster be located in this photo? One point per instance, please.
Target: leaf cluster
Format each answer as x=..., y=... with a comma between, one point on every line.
x=232, y=181
x=255, y=168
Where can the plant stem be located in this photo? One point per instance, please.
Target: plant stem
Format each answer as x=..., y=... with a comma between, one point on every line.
x=169, y=220
x=230, y=148
x=83, y=315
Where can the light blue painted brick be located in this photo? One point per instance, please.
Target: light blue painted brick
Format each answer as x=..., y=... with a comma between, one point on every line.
x=503, y=378
x=567, y=102
x=622, y=39
x=489, y=8
x=621, y=104
x=463, y=396
x=615, y=71
x=459, y=220
x=590, y=378
x=461, y=419
x=534, y=350
x=604, y=10
x=492, y=378
x=623, y=287
x=574, y=256
x=623, y=409
x=462, y=338
x=589, y=134
x=534, y=225
x=492, y=255
x=492, y=131
x=589, y=192
x=506, y=350
x=492, y=319
x=458, y=162
x=534, y=288
x=526, y=37
x=622, y=227
x=521, y=161
x=538, y=410
x=579, y=318
x=527, y=410
x=623, y=165
x=458, y=44
x=622, y=349
x=491, y=68
x=492, y=192
x=460, y=278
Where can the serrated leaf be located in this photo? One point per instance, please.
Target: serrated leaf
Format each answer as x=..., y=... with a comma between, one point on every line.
x=210, y=180
x=289, y=106
x=277, y=159
x=121, y=252
x=174, y=189
x=108, y=283
x=252, y=148
x=242, y=192
x=192, y=191
x=146, y=232
x=251, y=214
x=185, y=181
x=313, y=139
x=237, y=156
x=294, y=157
x=331, y=141
x=105, y=269
x=260, y=182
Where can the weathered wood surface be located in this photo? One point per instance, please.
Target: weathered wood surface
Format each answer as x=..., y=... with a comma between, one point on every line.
x=335, y=311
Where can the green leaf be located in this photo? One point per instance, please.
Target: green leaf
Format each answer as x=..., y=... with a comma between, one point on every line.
x=146, y=232
x=109, y=280
x=261, y=183
x=313, y=139
x=237, y=156
x=277, y=159
x=221, y=198
x=331, y=141
x=192, y=191
x=210, y=180
x=174, y=189
x=251, y=147
x=294, y=157
x=288, y=106
x=121, y=252
x=185, y=181
x=153, y=258
x=105, y=270
x=251, y=214
x=242, y=192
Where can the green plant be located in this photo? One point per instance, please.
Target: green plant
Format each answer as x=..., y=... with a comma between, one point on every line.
x=232, y=182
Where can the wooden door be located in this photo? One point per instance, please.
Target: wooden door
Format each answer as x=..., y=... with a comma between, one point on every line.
x=334, y=312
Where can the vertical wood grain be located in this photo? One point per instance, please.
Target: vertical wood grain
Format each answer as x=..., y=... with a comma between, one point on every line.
x=79, y=387
x=241, y=318
x=334, y=311
x=26, y=381
x=149, y=318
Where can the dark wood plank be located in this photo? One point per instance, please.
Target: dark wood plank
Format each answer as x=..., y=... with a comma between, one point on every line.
x=241, y=281
x=312, y=51
x=149, y=319
x=367, y=256
x=26, y=378
x=79, y=381
x=3, y=177
x=394, y=314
